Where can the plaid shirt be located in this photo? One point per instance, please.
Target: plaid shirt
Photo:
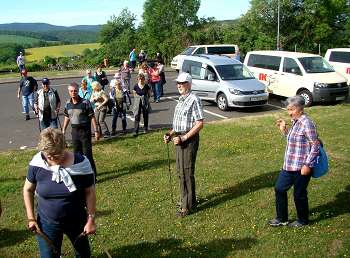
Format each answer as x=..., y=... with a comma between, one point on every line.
x=302, y=144
x=187, y=111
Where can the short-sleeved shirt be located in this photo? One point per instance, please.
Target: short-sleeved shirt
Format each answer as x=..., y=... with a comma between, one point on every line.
x=56, y=204
x=27, y=85
x=187, y=111
x=80, y=114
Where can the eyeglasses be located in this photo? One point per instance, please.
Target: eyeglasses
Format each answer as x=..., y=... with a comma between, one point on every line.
x=181, y=83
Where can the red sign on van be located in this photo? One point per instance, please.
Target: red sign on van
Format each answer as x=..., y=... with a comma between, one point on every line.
x=348, y=70
x=262, y=76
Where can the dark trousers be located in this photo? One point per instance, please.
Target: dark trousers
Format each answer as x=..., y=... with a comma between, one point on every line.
x=81, y=139
x=185, y=164
x=55, y=233
x=142, y=109
x=118, y=112
x=285, y=181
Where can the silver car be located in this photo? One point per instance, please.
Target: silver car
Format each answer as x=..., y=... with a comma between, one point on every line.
x=225, y=81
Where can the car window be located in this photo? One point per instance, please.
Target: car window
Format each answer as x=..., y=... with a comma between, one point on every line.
x=195, y=70
x=315, y=64
x=264, y=61
x=340, y=57
x=234, y=72
x=291, y=66
x=199, y=51
x=209, y=74
x=186, y=66
x=188, y=51
x=221, y=50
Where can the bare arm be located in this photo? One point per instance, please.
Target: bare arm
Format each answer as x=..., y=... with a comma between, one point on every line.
x=90, y=197
x=65, y=124
x=28, y=197
x=94, y=125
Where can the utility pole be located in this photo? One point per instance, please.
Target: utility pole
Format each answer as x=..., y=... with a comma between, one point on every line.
x=278, y=25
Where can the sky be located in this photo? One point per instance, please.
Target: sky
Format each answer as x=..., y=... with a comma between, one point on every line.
x=93, y=12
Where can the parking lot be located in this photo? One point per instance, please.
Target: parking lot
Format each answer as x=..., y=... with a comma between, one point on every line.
x=15, y=132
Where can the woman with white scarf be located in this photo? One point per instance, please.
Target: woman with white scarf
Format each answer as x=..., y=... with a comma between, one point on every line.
x=64, y=185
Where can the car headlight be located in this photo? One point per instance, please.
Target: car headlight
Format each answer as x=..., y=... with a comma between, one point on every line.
x=174, y=59
x=235, y=91
x=320, y=85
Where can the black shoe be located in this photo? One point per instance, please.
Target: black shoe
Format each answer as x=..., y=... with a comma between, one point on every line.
x=135, y=134
x=296, y=224
x=113, y=133
x=277, y=223
x=27, y=117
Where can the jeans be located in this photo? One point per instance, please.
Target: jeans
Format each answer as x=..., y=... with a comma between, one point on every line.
x=81, y=140
x=50, y=123
x=27, y=101
x=55, y=233
x=118, y=113
x=285, y=181
x=156, y=87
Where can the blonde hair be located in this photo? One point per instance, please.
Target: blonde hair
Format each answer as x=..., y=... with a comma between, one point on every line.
x=117, y=83
x=51, y=141
x=96, y=86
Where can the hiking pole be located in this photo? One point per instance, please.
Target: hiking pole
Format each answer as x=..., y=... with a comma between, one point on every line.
x=82, y=234
x=41, y=234
x=170, y=178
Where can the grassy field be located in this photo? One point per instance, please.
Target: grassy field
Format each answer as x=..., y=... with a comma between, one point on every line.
x=35, y=54
x=238, y=162
x=17, y=39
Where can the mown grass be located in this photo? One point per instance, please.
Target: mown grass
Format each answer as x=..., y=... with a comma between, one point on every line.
x=237, y=165
x=36, y=54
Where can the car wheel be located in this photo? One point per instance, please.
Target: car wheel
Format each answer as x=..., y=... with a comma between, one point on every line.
x=222, y=102
x=307, y=96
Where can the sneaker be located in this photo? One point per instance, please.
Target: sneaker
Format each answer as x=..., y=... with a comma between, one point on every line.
x=27, y=117
x=182, y=213
x=113, y=133
x=296, y=224
x=106, y=136
x=277, y=223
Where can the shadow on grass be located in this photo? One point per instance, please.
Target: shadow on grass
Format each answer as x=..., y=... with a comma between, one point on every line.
x=250, y=185
x=340, y=205
x=10, y=238
x=101, y=213
x=128, y=170
x=174, y=248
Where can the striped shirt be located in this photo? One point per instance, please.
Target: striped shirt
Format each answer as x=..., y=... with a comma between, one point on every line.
x=302, y=144
x=187, y=111
x=80, y=114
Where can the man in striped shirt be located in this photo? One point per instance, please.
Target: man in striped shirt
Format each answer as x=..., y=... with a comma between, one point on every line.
x=187, y=122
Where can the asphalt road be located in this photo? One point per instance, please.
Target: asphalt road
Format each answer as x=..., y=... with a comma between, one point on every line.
x=15, y=132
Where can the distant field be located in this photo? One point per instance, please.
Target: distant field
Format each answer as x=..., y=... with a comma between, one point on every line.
x=35, y=54
x=17, y=39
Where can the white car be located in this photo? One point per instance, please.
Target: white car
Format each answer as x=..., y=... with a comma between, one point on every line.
x=339, y=58
x=227, y=50
x=225, y=81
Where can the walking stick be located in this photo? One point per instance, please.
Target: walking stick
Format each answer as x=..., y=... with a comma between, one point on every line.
x=170, y=178
x=46, y=239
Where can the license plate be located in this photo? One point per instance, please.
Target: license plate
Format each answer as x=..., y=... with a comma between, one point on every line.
x=256, y=98
x=340, y=98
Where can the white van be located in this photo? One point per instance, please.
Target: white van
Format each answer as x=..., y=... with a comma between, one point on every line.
x=227, y=50
x=339, y=58
x=291, y=73
x=225, y=81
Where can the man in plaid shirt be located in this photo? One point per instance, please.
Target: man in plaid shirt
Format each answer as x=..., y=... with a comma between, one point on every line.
x=187, y=122
x=301, y=150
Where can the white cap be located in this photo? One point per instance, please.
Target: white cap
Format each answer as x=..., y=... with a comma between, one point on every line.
x=116, y=75
x=184, y=77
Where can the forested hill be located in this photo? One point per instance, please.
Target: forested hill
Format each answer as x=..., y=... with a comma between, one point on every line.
x=47, y=32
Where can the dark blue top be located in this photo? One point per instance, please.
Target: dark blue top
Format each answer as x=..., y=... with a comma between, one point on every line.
x=143, y=91
x=28, y=85
x=55, y=203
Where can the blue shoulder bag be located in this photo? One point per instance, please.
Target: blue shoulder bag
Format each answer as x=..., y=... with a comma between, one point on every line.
x=320, y=164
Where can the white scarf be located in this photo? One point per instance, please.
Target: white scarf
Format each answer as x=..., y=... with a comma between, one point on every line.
x=62, y=174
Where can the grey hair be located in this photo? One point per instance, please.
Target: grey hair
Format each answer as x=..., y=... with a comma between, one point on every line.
x=297, y=101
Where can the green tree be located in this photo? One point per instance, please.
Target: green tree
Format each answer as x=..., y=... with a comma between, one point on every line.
x=118, y=37
x=167, y=25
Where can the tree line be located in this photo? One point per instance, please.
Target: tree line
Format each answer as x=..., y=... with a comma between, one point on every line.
x=169, y=26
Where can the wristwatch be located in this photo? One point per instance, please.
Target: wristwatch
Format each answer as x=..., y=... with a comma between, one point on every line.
x=91, y=216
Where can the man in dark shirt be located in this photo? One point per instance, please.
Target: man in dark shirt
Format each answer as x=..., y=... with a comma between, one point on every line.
x=80, y=114
x=47, y=105
x=27, y=86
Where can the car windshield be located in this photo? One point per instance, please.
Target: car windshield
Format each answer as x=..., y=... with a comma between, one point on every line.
x=315, y=64
x=188, y=51
x=234, y=72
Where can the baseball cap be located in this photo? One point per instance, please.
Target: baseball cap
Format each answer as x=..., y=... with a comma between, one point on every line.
x=45, y=81
x=184, y=77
